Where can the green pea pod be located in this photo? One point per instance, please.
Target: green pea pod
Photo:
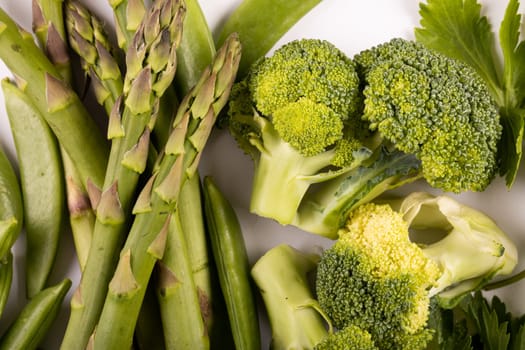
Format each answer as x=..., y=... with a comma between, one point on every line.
x=41, y=179
x=6, y=277
x=34, y=321
x=231, y=258
x=11, y=210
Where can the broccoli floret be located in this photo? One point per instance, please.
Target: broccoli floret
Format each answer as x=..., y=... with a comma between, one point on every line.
x=434, y=118
x=349, y=338
x=377, y=277
x=435, y=107
x=296, y=114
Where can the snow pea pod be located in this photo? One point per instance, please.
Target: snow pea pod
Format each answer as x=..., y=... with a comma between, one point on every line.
x=6, y=277
x=231, y=259
x=11, y=210
x=32, y=324
x=41, y=179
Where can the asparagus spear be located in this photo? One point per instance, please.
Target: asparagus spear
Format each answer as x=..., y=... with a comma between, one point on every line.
x=155, y=206
x=151, y=64
x=48, y=26
x=88, y=39
x=74, y=128
x=6, y=278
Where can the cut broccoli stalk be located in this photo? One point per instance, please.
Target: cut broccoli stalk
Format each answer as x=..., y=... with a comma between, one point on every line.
x=324, y=211
x=296, y=319
x=471, y=252
x=283, y=175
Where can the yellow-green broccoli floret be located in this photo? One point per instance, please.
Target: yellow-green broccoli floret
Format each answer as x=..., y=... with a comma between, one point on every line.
x=375, y=278
x=349, y=338
x=434, y=107
x=308, y=68
x=311, y=135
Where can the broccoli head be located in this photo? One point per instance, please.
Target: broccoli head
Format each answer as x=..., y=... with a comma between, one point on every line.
x=349, y=338
x=296, y=114
x=377, y=277
x=435, y=107
x=420, y=104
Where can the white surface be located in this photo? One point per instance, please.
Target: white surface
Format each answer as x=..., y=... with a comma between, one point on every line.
x=352, y=25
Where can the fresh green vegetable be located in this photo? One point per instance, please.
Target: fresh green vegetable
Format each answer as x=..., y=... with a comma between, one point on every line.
x=394, y=276
x=154, y=207
x=231, y=258
x=48, y=26
x=459, y=29
x=351, y=337
x=62, y=109
x=6, y=278
x=282, y=276
x=11, y=207
x=182, y=318
x=261, y=23
x=328, y=133
x=149, y=334
x=478, y=322
x=41, y=180
x=35, y=319
x=151, y=63
x=88, y=38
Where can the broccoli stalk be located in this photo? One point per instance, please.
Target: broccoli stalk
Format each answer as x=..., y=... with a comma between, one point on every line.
x=296, y=319
x=467, y=235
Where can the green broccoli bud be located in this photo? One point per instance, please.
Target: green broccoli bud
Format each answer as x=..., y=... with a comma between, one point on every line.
x=349, y=338
x=312, y=135
x=436, y=108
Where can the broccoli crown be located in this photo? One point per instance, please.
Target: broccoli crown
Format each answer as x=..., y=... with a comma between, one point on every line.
x=375, y=278
x=434, y=107
x=349, y=338
x=309, y=91
x=310, y=68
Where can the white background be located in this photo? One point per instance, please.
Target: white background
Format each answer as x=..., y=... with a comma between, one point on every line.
x=352, y=25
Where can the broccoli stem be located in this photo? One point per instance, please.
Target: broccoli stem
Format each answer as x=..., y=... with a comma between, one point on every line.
x=296, y=319
x=324, y=211
x=287, y=172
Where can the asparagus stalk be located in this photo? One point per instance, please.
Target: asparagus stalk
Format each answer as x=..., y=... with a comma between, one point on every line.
x=151, y=64
x=74, y=128
x=89, y=40
x=48, y=26
x=194, y=54
x=155, y=206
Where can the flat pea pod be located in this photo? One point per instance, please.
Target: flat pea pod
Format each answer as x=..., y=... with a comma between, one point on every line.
x=34, y=321
x=6, y=278
x=42, y=183
x=231, y=259
x=11, y=209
